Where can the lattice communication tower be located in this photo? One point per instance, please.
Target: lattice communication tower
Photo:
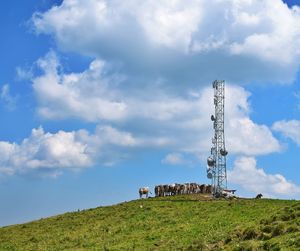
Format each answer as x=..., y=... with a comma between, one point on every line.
x=216, y=169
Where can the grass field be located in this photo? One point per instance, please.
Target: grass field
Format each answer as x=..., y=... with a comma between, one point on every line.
x=190, y=222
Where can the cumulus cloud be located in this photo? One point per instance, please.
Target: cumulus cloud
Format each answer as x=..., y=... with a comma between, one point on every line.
x=290, y=129
x=187, y=42
x=43, y=151
x=151, y=62
x=243, y=135
x=246, y=137
x=76, y=94
x=246, y=174
x=152, y=115
x=50, y=153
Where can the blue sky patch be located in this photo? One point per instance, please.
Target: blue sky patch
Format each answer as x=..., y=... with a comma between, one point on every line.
x=99, y=98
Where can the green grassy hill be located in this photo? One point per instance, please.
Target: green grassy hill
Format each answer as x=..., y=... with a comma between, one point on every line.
x=190, y=222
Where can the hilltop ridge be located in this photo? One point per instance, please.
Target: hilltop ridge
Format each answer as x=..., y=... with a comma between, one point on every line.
x=183, y=222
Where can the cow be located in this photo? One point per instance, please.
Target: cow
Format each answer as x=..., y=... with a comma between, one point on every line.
x=159, y=190
x=209, y=189
x=156, y=191
x=182, y=188
x=194, y=188
x=227, y=194
x=186, y=188
x=177, y=189
x=144, y=190
x=259, y=196
x=166, y=190
x=202, y=188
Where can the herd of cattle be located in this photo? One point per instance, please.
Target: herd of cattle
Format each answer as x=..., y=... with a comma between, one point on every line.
x=186, y=188
x=175, y=189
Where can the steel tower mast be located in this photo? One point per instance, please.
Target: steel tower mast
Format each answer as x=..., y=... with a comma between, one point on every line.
x=216, y=170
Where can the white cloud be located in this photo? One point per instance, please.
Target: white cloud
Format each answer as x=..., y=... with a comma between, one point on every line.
x=174, y=159
x=180, y=124
x=6, y=97
x=156, y=58
x=24, y=74
x=83, y=95
x=169, y=23
x=113, y=136
x=246, y=137
x=50, y=153
x=44, y=151
x=200, y=39
x=153, y=114
x=290, y=129
x=246, y=174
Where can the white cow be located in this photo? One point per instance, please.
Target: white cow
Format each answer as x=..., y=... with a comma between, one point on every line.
x=144, y=190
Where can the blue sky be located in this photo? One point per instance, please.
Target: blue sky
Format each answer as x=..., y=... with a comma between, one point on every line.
x=98, y=98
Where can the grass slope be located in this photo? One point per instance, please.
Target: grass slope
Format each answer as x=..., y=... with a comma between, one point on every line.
x=190, y=222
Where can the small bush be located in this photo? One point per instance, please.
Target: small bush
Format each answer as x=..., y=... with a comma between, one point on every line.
x=5, y=246
x=197, y=245
x=294, y=242
x=270, y=246
x=238, y=233
x=264, y=221
x=265, y=236
x=247, y=246
x=267, y=229
x=292, y=229
x=33, y=239
x=250, y=233
x=227, y=240
x=274, y=218
x=297, y=243
x=287, y=217
x=278, y=230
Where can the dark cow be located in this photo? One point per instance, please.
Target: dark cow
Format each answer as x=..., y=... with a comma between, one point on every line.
x=166, y=190
x=208, y=189
x=203, y=188
x=156, y=191
x=159, y=190
x=259, y=196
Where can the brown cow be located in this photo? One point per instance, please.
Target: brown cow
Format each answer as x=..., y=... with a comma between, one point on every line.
x=156, y=191
x=209, y=189
x=159, y=190
x=203, y=188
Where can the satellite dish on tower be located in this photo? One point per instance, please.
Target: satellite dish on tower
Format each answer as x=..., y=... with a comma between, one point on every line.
x=209, y=172
x=223, y=152
x=210, y=161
